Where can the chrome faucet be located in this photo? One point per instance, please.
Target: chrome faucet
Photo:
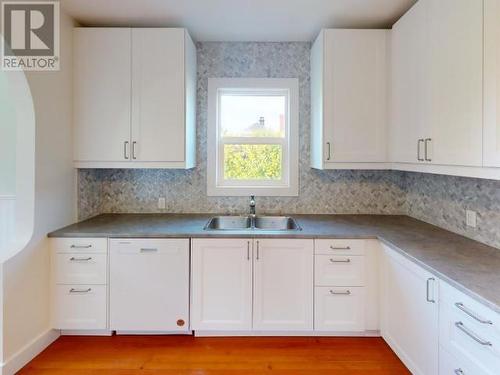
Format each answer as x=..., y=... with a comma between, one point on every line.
x=252, y=206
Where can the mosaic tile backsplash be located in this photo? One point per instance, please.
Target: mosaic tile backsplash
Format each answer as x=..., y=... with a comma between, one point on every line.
x=440, y=200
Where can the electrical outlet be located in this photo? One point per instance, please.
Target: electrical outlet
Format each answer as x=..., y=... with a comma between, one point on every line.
x=471, y=218
x=161, y=203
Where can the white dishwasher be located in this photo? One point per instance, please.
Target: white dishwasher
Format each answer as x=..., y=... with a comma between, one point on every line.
x=149, y=286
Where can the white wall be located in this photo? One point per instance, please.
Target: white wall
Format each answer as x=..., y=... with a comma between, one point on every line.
x=26, y=274
x=7, y=141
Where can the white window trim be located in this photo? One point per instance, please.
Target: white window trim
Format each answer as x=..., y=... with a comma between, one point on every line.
x=289, y=185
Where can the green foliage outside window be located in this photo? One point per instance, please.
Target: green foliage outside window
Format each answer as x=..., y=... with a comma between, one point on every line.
x=252, y=162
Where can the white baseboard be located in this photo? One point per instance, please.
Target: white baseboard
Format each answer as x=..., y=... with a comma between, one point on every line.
x=154, y=332
x=203, y=333
x=29, y=351
x=86, y=332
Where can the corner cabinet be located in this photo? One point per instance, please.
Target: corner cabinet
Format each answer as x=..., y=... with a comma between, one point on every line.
x=134, y=98
x=349, y=99
x=437, y=83
x=410, y=312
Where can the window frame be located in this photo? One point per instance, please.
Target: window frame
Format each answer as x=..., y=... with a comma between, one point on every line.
x=216, y=184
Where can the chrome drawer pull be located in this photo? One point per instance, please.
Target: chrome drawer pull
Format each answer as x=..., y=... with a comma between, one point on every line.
x=73, y=259
x=472, y=335
x=148, y=249
x=73, y=290
x=427, y=290
x=340, y=261
x=81, y=246
x=346, y=293
x=462, y=307
x=340, y=248
x=459, y=371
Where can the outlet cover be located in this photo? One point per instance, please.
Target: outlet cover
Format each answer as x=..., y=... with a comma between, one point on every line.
x=471, y=218
x=161, y=203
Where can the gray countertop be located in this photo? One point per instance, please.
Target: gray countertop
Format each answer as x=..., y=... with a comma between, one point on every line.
x=472, y=267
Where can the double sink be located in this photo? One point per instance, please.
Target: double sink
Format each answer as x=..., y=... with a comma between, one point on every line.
x=252, y=223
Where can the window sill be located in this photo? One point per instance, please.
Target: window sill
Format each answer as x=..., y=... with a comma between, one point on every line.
x=237, y=191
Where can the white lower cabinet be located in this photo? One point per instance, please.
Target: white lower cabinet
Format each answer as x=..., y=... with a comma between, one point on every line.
x=283, y=285
x=79, y=284
x=231, y=278
x=149, y=285
x=409, y=317
x=80, y=307
x=469, y=332
x=221, y=284
x=339, y=309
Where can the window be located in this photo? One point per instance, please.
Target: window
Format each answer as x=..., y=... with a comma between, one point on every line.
x=252, y=136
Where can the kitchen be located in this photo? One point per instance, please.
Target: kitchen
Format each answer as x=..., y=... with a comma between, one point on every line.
x=203, y=188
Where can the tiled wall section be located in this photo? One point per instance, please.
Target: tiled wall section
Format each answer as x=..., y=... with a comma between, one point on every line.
x=185, y=191
x=440, y=200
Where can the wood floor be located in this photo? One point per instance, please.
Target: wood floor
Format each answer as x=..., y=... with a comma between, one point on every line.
x=126, y=355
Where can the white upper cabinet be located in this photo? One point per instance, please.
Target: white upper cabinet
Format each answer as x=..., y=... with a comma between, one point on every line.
x=436, y=84
x=101, y=94
x=135, y=98
x=456, y=82
x=408, y=92
x=349, y=98
x=491, y=152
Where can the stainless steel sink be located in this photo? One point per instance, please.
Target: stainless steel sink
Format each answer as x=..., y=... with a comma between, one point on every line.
x=270, y=223
x=276, y=223
x=229, y=223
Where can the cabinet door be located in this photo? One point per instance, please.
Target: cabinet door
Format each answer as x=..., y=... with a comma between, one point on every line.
x=221, y=287
x=149, y=285
x=339, y=309
x=158, y=108
x=408, y=88
x=355, y=95
x=102, y=94
x=456, y=82
x=491, y=139
x=410, y=313
x=283, y=285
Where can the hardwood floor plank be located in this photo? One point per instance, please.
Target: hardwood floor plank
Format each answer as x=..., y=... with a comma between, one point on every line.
x=151, y=355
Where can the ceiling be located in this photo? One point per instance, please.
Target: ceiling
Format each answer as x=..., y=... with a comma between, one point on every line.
x=240, y=20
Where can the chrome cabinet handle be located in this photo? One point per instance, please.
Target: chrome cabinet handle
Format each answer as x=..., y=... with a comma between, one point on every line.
x=125, y=150
x=73, y=259
x=148, y=249
x=472, y=335
x=248, y=250
x=80, y=246
x=427, y=140
x=418, y=149
x=258, y=250
x=329, y=150
x=340, y=248
x=462, y=307
x=73, y=290
x=340, y=261
x=459, y=371
x=427, y=291
x=346, y=293
x=133, y=150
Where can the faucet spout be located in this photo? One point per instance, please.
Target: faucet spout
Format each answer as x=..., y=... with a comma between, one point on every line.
x=252, y=205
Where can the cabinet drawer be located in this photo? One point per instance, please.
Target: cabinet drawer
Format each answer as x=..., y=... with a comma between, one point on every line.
x=451, y=365
x=476, y=344
x=339, y=247
x=339, y=309
x=79, y=268
x=79, y=307
x=339, y=270
x=77, y=245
